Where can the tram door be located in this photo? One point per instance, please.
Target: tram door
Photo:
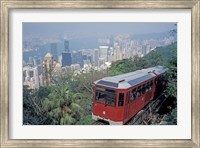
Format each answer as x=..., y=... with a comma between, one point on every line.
x=127, y=106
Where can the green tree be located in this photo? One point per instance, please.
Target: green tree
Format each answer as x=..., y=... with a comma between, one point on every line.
x=171, y=90
x=154, y=58
x=127, y=65
x=61, y=106
x=33, y=112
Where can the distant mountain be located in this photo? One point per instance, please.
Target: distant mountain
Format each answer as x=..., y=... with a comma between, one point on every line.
x=150, y=36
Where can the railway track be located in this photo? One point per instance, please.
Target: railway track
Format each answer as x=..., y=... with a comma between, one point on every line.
x=151, y=108
x=99, y=123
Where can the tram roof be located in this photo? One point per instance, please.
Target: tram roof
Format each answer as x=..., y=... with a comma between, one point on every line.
x=130, y=79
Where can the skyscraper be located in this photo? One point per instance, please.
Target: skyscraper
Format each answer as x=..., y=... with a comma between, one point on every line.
x=66, y=59
x=31, y=61
x=66, y=55
x=47, y=67
x=77, y=58
x=80, y=58
x=53, y=50
x=103, y=52
x=37, y=62
x=66, y=46
x=96, y=57
x=56, y=72
x=30, y=77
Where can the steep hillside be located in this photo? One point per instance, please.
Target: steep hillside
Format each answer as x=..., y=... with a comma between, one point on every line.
x=167, y=53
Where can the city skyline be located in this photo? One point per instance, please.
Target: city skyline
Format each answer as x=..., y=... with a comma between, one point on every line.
x=38, y=35
x=45, y=58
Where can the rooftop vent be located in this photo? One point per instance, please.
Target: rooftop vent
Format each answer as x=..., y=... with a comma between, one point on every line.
x=121, y=80
x=153, y=71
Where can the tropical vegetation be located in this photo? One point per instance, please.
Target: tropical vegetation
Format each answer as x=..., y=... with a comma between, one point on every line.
x=69, y=100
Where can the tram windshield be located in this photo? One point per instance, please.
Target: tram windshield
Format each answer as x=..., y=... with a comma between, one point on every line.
x=106, y=96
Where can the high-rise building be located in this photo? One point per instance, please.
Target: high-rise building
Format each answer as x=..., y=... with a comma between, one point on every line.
x=66, y=55
x=90, y=58
x=66, y=59
x=31, y=60
x=85, y=57
x=36, y=61
x=53, y=50
x=30, y=77
x=80, y=58
x=96, y=57
x=111, y=54
x=74, y=57
x=119, y=55
x=77, y=57
x=101, y=62
x=47, y=67
x=56, y=72
x=103, y=52
x=60, y=59
x=66, y=46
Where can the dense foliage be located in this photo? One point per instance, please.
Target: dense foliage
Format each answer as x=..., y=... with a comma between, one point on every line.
x=69, y=100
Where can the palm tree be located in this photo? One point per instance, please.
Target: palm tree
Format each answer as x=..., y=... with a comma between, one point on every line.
x=61, y=107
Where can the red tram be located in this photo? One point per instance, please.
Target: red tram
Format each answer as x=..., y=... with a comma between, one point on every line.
x=117, y=99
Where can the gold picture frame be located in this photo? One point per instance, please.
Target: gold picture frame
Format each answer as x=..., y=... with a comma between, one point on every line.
x=7, y=5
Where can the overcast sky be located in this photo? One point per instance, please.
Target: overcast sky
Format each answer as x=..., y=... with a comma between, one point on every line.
x=96, y=28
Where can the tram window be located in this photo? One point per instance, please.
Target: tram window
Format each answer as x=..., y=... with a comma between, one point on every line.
x=151, y=83
x=121, y=99
x=134, y=94
x=100, y=95
x=131, y=96
x=139, y=92
x=148, y=87
x=105, y=96
x=143, y=88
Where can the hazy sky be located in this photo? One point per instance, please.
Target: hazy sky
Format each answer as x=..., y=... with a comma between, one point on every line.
x=96, y=28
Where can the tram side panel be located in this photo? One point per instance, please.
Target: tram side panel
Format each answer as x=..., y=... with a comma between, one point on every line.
x=137, y=97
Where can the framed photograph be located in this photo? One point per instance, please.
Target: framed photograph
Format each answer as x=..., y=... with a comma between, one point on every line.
x=100, y=73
